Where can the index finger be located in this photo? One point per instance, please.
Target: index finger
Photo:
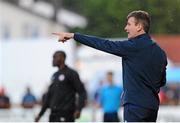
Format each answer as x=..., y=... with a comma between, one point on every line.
x=55, y=33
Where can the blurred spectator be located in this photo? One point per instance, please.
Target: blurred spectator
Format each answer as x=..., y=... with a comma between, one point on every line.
x=97, y=92
x=61, y=95
x=4, y=99
x=110, y=96
x=96, y=100
x=172, y=94
x=162, y=97
x=29, y=100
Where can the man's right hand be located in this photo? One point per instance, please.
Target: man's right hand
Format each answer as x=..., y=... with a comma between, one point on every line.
x=63, y=36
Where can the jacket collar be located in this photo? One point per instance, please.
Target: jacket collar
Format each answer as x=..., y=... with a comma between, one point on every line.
x=143, y=40
x=144, y=36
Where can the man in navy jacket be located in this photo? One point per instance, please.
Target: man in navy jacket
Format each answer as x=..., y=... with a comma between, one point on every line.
x=144, y=66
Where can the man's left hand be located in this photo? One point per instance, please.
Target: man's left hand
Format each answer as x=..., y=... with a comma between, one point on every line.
x=76, y=114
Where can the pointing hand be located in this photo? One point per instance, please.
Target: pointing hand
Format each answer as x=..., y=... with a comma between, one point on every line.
x=63, y=36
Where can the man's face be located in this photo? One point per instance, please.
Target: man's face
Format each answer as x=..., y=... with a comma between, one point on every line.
x=132, y=28
x=58, y=59
x=110, y=78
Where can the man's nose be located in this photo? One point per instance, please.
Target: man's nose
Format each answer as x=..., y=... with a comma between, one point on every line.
x=125, y=28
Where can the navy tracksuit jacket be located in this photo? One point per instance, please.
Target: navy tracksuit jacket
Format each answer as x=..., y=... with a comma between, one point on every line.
x=144, y=67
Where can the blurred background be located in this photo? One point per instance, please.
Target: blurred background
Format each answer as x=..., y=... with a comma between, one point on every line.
x=27, y=46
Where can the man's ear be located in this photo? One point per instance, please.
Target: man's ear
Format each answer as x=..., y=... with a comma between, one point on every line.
x=139, y=27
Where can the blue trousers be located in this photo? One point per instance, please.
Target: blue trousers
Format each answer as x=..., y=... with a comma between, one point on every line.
x=111, y=117
x=134, y=113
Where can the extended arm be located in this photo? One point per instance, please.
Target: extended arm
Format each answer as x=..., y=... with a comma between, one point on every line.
x=120, y=48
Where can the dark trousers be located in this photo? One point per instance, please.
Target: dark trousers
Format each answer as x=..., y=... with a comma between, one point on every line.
x=61, y=116
x=134, y=113
x=111, y=117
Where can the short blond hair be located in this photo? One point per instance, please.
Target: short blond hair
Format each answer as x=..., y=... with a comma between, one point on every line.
x=141, y=17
